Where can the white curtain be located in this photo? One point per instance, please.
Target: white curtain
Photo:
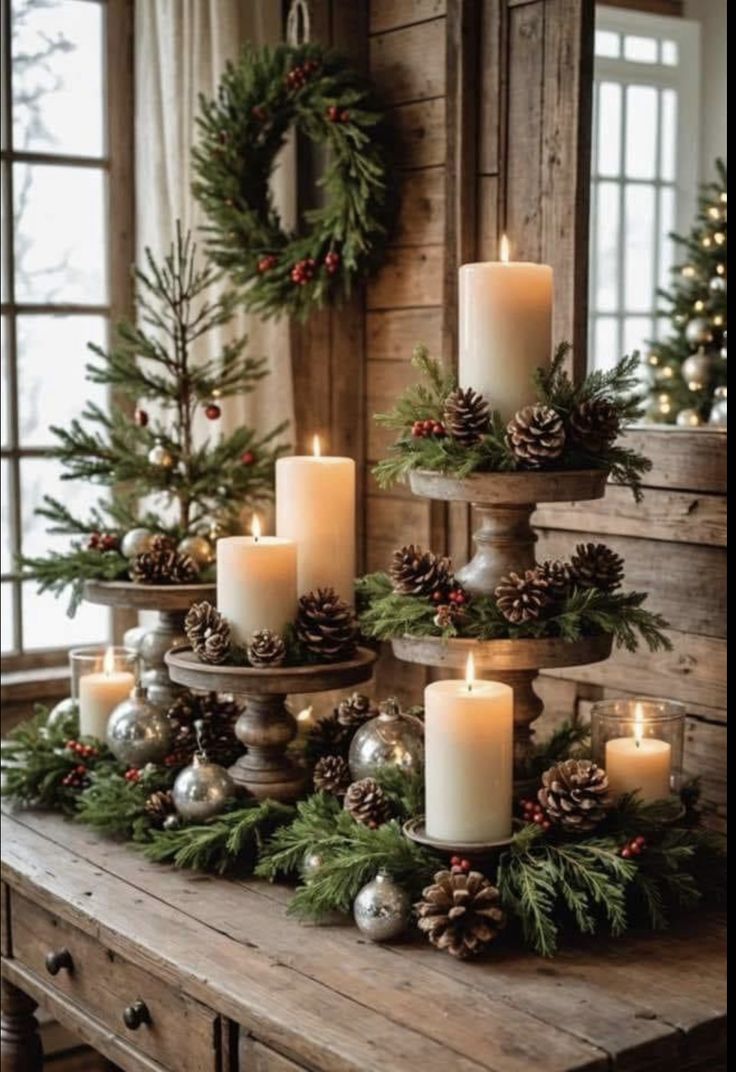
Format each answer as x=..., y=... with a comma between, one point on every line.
x=181, y=47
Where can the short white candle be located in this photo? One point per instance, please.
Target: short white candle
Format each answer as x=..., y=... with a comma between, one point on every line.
x=505, y=329
x=639, y=764
x=99, y=695
x=256, y=583
x=315, y=506
x=469, y=744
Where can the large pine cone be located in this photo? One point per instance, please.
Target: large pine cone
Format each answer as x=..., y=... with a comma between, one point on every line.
x=556, y=575
x=522, y=599
x=466, y=415
x=536, y=436
x=415, y=572
x=574, y=794
x=367, y=803
x=159, y=805
x=326, y=625
x=460, y=913
x=208, y=633
x=331, y=775
x=595, y=424
x=266, y=649
x=354, y=710
x=163, y=566
x=596, y=566
x=328, y=737
x=217, y=719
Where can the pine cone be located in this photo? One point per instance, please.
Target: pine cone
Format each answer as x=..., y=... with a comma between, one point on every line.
x=266, y=649
x=163, y=566
x=415, y=572
x=596, y=566
x=595, y=424
x=466, y=416
x=355, y=710
x=536, y=436
x=367, y=803
x=556, y=574
x=522, y=599
x=574, y=794
x=208, y=633
x=217, y=719
x=159, y=805
x=327, y=737
x=162, y=543
x=460, y=913
x=331, y=775
x=326, y=625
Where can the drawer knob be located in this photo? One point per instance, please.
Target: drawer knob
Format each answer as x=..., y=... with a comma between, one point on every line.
x=58, y=959
x=136, y=1014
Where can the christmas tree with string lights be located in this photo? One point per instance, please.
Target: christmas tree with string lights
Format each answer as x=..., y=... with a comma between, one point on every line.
x=688, y=368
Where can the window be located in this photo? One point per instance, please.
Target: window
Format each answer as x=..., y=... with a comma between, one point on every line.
x=66, y=251
x=644, y=171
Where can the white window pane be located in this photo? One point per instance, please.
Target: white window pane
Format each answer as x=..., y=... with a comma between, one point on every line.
x=664, y=327
x=640, y=49
x=641, y=132
x=607, y=43
x=668, y=135
x=59, y=234
x=6, y=555
x=57, y=76
x=609, y=128
x=607, y=251
x=638, y=247
x=52, y=353
x=3, y=238
x=47, y=625
x=666, y=227
x=4, y=397
x=670, y=53
x=7, y=616
x=42, y=476
x=637, y=332
x=605, y=346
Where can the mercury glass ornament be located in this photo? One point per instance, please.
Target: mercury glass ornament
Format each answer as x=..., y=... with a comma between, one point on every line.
x=697, y=331
x=689, y=418
x=198, y=548
x=202, y=790
x=697, y=370
x=138, y=731
x=64, y=717
x=717, y=284
x=133, y=637
x=136, y=542
x=310, y=865
x=390, y=739
x=160, y=456
x=381, y=909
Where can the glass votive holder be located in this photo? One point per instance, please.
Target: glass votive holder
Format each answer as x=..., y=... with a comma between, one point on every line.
x=101, y=678
x=639, y=743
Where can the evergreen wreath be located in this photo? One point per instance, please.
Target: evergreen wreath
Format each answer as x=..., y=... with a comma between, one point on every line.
x=259, y=98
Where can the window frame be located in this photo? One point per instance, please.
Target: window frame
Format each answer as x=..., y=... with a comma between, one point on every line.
x=118, y=163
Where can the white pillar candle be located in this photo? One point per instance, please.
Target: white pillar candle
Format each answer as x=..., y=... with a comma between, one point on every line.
x=505, y=329
x=256, y=583
x=315, y=506
x=469, y=744
x=99, y=695
x=639, y=764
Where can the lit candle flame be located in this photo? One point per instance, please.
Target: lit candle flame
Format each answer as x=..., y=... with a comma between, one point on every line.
x=108, y=663
x=255, y=527
x=316, y=447
x=503, y=249
x=638, y=724
x=470, y=672
x=305, y=715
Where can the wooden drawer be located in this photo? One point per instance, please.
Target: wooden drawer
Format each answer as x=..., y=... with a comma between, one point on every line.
x=181, y=1035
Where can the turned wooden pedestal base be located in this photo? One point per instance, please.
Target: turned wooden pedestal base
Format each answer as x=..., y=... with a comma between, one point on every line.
x=20, y=1042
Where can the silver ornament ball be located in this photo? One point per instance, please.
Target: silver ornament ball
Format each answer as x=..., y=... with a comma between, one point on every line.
x=697, y=370
x=64, y=717
x=202, y=790
x=719, y=410
x=697, y=331
x=311, y=864
x=689, y=418
x=133, y=637
x=138, y=731
x=382, y=908
x=717, y=284
x=391, y=739
x=198, y=548
x=160, y=456
x=172, y=822
x=136, y=542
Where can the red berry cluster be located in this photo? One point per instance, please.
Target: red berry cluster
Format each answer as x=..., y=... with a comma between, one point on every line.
x=212, y=411
x=102, y=541
x=456, y=596
x=247, y=457
x=459, y=865
x=265, y=264
x=634, y=847
x=84, y=751
x=338, y=115
x=132, y=775
x=141, y=418
x=533, y=812
x=427, y=429
x=332, y=262
x=303, y=271
x=77, y=778
x=298, y=77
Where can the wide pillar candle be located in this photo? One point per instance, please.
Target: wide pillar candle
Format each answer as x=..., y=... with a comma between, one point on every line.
x=640, y=766
x=256, y=584
x=505, y=330
x=469, y=735
x=99, y=695
x=315, y=507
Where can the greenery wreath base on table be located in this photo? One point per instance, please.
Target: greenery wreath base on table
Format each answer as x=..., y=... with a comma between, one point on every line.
x=577, y=862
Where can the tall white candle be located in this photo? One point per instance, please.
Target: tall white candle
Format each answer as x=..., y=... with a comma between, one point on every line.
x=99, y=694
x=256, y=583
x=505, y=329
x=469, y=743
x=315, y=506
x=639, y=764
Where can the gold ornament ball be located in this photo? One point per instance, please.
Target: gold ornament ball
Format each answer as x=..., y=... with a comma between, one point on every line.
x=689, y=418
x=697, y=370
x=198, y=548
x=136, y=542
x=159, y=456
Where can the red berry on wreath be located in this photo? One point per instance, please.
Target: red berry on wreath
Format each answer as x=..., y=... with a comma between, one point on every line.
x=345, y=116
x=333, y=113
x=640, y=841
x=108, y=541
x=626, y=852
x=141, y=418
x=212, y=411
x=417, y=429
x=332, y=262
x=247, y=457
x=265, y=264
x=93, y=541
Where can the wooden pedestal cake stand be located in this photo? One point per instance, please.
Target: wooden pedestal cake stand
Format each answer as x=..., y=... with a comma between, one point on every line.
x=171, y=601
x=266, y=725
x=504, y=541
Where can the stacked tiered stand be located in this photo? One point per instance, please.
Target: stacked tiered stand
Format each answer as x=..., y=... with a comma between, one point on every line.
x=504, y=503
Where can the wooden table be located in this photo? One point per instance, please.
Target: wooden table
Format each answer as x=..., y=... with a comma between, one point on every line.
x=229, y=982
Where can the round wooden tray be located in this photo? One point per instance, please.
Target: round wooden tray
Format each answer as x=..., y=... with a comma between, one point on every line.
x=529, y=653
x=566, y=485
x=186, y=669
x=148, y=596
